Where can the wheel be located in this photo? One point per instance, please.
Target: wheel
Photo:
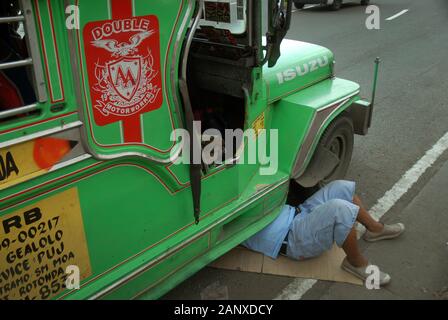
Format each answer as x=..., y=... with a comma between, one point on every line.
x=299, y=5
x=336, y=5
x=339, y=139
x=365, y=2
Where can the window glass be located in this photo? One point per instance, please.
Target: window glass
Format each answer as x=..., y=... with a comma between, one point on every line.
x=16, y=89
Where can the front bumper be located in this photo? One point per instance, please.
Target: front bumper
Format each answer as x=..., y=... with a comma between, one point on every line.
x=361, y=112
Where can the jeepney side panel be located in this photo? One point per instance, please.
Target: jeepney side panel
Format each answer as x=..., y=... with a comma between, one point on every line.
x=113, y=202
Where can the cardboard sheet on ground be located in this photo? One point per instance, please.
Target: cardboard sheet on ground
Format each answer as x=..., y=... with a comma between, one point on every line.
x=326, y=267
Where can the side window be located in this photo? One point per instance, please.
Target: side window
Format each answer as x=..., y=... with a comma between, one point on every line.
x=19, y=80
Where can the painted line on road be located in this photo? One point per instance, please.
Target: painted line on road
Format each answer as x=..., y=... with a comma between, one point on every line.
x=409, y=178
x=296, y=289
x=397, y=15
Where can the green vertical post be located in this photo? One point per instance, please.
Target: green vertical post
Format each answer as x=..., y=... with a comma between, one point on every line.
x=375, y=79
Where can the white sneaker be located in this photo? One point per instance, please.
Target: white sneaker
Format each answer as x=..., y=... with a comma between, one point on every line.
x=389, y=232
x=362, y=274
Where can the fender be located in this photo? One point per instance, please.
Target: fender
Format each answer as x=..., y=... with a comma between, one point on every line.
x=321, y=120
x=311, y=110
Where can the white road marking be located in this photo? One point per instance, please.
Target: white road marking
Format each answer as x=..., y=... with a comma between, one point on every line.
x=384, y=204
x=296, y=289
x=397, y=15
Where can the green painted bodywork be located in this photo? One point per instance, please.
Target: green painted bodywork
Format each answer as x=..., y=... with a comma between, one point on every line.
x=136, y=210
x=301, y=65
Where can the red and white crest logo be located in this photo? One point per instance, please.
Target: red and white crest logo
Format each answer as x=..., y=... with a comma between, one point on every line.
x=125, y=76
x=123, y=60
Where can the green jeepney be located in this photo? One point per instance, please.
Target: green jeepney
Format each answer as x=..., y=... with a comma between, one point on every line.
x=95, y=96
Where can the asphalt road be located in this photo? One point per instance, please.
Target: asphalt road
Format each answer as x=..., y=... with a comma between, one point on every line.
x=411, y=115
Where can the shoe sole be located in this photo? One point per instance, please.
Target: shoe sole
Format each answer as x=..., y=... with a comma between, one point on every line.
x=389, y=237
x=392, y=236
x=357, y=275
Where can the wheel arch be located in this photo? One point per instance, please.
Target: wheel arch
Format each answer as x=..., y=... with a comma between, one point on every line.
x=321, y=121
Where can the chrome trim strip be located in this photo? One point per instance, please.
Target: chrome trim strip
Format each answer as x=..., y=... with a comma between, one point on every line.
x=16, y=64
x=70, y=162
x=173, y=250
x=319, y=120
x=11, y=19
x=39, y=134
x=33, y=47
x=17, y=111
x=195, y=144
x=174, y=70
x=192, y=31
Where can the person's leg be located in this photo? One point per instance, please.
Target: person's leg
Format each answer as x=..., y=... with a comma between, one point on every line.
x=355, y=263
x=315, y=233
x=339, y=189
x=376, y=231
x=344, y=190
x=351, y=249
x=365, y=218
x=329, y=223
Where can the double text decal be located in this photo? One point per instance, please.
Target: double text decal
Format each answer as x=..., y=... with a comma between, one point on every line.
x=123, y=61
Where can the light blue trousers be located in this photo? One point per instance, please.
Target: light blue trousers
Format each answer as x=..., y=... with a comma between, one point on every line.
x=326, y=218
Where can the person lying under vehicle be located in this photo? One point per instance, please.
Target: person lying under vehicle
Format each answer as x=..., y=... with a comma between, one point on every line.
x=327, y=217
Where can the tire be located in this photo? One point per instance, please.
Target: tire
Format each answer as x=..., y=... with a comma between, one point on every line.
x=299, y=5
x=336, y=5
x=365, y=2
x=339, y=138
